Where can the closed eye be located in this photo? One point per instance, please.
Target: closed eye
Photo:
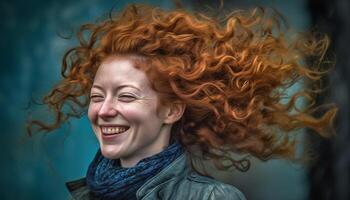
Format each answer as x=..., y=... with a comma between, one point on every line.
x=126, y=98
x=96, y=98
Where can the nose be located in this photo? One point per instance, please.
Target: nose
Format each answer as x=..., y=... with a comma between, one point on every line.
x=107, y=110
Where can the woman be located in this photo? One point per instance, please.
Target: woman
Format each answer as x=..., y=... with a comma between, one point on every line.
x=165, y=88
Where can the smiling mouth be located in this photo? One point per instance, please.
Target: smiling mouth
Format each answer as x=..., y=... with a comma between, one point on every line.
x=113, y=130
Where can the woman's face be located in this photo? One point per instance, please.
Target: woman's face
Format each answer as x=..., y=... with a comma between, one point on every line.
x=123, y=113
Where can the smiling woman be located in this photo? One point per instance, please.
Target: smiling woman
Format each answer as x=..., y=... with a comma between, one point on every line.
x=124, y=115
x=164, y=88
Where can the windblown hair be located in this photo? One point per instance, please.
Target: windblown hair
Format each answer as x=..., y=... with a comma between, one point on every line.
x=232, y=73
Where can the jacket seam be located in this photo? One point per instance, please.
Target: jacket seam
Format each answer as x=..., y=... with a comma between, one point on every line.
x=164, y=171
x=212, y=191
x=150, y=192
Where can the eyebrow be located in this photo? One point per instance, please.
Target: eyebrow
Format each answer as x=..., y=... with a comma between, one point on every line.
x=117, y=88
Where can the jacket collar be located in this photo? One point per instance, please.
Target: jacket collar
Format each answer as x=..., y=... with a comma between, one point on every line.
x=176, y=169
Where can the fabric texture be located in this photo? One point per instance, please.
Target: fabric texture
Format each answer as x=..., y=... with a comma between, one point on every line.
x=177, y=181
x=107, y=179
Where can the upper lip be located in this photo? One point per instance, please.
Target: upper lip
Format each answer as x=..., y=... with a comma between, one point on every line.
x=113, y=125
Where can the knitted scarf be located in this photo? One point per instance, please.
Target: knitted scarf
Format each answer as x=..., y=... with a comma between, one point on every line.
x=108, y=180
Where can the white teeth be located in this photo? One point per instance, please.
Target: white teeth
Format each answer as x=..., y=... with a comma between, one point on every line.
x=113, y=130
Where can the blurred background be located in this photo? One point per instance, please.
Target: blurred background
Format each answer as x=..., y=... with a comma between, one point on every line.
x=31, y=48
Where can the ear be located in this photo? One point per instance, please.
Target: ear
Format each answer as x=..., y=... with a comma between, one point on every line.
x=174, y=112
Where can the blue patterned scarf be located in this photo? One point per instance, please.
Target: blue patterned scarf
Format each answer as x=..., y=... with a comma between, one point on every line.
x=108, y=180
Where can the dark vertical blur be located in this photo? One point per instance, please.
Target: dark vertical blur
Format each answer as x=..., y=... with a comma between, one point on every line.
x=330, y=175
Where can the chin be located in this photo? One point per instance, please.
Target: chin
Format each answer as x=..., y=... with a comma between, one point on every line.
x=109, y=153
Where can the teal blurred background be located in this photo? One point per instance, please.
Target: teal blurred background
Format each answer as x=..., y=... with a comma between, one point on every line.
x=31, y=52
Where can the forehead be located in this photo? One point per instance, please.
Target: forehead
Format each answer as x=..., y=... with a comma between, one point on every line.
x=119, y=71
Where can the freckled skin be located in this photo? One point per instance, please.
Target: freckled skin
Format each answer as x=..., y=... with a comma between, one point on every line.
x=122, y=95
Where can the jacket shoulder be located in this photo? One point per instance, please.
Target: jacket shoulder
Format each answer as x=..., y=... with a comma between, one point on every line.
x=226, y=192
x=79, y=190
x=218, y=190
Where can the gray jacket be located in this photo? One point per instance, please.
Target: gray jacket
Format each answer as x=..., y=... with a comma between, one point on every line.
x=176, y=182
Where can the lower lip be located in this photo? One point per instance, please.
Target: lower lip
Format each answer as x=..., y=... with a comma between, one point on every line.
x=112, y=137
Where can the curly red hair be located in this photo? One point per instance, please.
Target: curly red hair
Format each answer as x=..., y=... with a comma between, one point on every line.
x=231, y=73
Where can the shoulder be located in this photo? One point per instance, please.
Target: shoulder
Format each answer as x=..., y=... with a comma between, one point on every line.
x=213, y=188
x=227, y=192
x=79, y=190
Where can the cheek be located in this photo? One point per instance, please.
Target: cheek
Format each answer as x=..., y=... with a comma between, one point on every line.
x=133, y=115
x=92, y=112
x=139, y=114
